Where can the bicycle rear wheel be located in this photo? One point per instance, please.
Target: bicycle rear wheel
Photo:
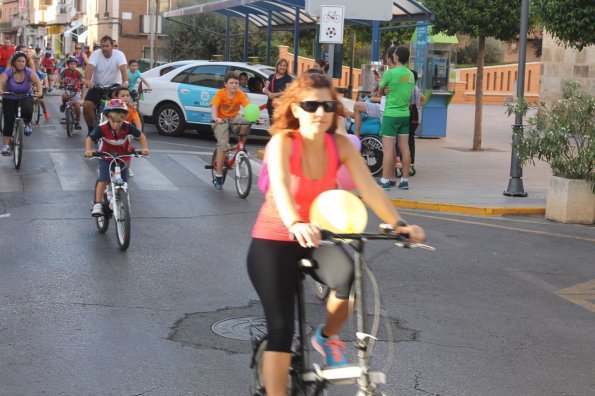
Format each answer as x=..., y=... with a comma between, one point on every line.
x=214, y=163
x=17, y=143
x=37, y=110
x=69, y=113
x=102, y=222
x=257, y=388
x=243, y=175
x=372, y=152
x=122, y=210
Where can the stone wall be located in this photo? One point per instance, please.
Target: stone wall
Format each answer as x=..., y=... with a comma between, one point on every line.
x=559, y=63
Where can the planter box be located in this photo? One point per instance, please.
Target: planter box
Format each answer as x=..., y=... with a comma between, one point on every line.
x=570, y=201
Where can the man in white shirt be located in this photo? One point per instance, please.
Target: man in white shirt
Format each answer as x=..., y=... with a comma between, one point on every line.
x=106, y=67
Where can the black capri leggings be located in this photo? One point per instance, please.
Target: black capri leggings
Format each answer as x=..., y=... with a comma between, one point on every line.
x=274, y=272
x=9, y=111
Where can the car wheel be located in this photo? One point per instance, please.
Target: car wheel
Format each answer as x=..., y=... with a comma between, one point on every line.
x=170, y=120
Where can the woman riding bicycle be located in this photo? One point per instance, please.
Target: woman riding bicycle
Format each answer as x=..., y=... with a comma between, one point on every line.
x=302, y=161
x=17, y=80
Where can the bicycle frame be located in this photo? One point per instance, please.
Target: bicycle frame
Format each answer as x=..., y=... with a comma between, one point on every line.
x=317, y=377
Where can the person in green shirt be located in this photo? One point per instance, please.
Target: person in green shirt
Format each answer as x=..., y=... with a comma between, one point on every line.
x=395, y=122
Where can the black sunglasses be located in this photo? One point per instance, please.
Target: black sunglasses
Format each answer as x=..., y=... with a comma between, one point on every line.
x=312, y=105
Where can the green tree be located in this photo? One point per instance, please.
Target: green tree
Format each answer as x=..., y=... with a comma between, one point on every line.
x=493, y=52
x=488, y=18
x=570, y=21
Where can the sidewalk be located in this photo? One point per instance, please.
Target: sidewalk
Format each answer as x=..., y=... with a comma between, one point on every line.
x=452, y=178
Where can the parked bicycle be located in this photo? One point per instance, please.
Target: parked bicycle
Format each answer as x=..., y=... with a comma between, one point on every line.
x=237, y=158
x=16, y=141
x=305, y=380
x=116, y=200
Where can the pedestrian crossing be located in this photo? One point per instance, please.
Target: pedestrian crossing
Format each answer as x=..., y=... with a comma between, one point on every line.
x=164, y=170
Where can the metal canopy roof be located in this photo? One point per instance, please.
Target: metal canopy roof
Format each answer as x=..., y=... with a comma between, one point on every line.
x=283, y=12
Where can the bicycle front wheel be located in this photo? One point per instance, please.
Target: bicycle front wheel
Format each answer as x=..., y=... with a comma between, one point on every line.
x=243, y=175
x=372, y=152
x=69, y=113
x=37, y=110
x=17, y=143
x=122, y=208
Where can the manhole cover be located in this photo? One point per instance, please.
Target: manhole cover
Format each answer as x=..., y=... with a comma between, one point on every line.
x=240, y=328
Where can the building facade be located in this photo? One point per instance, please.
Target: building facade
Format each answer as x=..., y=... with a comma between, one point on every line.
x=63, y=23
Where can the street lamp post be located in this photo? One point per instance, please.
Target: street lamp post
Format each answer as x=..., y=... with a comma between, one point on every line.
x=515, y=183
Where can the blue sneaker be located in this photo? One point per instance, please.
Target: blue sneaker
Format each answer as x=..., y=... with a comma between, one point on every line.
x=28, y=130
x=330, y=349
x=385, y=186
x=218, y=183
x=404, y=185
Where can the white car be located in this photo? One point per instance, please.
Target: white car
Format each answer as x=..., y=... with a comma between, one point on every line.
x=181, y=97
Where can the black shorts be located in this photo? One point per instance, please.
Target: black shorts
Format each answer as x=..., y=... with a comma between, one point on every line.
x=95, y=94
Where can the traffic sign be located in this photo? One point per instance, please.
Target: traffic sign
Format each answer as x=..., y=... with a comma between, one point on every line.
x=331, y=24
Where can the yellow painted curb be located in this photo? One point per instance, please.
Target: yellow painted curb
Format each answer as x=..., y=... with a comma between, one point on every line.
x=463, y=209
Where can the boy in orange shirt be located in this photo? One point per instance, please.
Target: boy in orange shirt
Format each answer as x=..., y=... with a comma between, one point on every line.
x=225, y=107
x=133, y=117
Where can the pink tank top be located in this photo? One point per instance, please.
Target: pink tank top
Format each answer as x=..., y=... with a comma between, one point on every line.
x=268, y=223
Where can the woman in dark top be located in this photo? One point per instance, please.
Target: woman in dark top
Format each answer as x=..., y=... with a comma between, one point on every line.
x=276, y=84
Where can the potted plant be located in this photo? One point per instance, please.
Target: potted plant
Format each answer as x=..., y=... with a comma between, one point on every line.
x=563, y=135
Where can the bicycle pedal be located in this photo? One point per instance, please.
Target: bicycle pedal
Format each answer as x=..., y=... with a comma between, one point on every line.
x=209, y=167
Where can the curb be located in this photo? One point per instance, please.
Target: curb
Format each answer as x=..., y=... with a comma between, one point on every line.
x=464, y=209
x=460, y=209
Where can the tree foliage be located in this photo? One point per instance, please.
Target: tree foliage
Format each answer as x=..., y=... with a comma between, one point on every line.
x=493, y=52
x=487, y=18
x=570, y=21
x=562, y=135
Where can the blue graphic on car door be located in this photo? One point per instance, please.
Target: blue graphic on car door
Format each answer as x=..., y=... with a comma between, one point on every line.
x=197, y=90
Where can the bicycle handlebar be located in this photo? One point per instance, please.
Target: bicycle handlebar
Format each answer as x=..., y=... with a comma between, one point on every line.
x=99, y=154
x=386, y=233
x=232, y=123
x=19, y=95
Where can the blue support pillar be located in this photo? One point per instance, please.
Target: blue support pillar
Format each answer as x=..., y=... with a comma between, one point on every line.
x=246, y=28
x=375, y=40
x=269, y=37
x=228, y=38
x=296, y=41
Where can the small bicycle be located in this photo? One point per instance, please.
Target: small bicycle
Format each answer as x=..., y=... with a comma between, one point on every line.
x=16, y=142
x=116, y=200
x=69, y=115
x=106, y=94
x=304, y=381
x=37, y=110
x=237, y=158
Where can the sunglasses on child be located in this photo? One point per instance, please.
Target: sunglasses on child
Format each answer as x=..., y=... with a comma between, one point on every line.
x=311, y=106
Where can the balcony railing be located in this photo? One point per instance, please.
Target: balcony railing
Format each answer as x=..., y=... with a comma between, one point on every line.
x=161, y=55
x=19, y=21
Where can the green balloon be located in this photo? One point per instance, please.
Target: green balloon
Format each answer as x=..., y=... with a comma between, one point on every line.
x=251, y=113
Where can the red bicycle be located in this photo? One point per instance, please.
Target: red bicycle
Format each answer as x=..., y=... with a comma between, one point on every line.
x=237, y=158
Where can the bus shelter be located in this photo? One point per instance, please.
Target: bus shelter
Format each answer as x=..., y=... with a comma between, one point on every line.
x=291, y=15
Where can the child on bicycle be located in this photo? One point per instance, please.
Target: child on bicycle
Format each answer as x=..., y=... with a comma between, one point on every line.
x=113, y=137
x=42, y=78
x=123, y=94
x=225, y=107
x=71, y=80
x=135, y=78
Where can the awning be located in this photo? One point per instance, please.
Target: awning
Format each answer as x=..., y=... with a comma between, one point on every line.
x=82, y=38
x=283, y=12
x=75, y=25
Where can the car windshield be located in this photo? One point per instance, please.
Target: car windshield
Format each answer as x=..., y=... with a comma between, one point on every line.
x=267, y=70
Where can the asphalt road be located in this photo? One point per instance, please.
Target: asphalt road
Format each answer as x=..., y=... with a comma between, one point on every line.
x=505, y=306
